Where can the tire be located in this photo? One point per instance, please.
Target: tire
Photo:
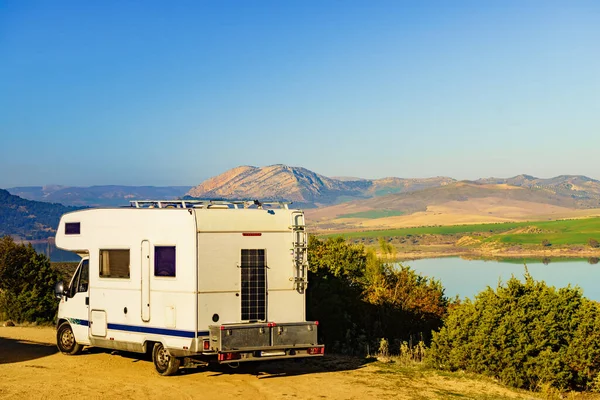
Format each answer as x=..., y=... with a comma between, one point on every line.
x=65, y=340
x=164, y=363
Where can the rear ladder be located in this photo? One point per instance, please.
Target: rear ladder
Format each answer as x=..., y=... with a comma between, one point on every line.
x=299, y=251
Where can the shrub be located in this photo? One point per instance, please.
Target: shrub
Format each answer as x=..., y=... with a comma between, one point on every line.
x=26, y=283
x=593, y=243
x=546, y=243
x=526, y=334
x=359, y=298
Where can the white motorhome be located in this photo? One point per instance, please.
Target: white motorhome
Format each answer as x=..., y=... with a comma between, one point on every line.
x=187, y=280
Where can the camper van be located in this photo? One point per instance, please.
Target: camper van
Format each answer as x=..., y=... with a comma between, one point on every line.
x=188, y=281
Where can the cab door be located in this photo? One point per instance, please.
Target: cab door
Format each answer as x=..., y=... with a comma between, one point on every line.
x=74, y=306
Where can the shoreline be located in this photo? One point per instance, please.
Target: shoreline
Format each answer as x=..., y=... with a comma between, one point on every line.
x=497, y=254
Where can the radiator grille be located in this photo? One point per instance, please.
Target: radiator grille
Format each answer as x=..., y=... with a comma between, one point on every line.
x=254, y=296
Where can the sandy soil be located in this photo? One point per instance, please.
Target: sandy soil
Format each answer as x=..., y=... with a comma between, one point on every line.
x=31, y=368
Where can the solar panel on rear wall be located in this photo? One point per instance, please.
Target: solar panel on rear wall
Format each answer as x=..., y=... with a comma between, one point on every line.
x=254, y=285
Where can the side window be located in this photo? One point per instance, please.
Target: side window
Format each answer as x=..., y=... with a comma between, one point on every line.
x=114, y=263
x=80, y=280
x=75, y=281
x=164, y=261
x=84, y=277
x=72, y=228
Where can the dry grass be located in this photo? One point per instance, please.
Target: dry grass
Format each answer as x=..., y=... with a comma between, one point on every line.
x=472, y=211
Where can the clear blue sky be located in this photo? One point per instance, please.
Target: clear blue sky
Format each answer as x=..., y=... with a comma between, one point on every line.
x=168, y=93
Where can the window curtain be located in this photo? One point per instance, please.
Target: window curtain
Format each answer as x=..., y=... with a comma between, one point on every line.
x=105, y=263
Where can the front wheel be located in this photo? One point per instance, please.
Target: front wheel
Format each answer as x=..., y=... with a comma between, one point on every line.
x=65, y=340
x=164, y=363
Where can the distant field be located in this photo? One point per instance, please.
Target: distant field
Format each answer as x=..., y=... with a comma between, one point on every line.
x=575, y=231
x=373, y=214
x=436, y=230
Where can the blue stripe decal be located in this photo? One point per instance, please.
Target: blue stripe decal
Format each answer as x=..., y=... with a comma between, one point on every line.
x=146, y=329
x=141, y=329
x=157, y=331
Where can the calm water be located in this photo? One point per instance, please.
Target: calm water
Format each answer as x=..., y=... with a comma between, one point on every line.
x=54, y=253
x=469, y=277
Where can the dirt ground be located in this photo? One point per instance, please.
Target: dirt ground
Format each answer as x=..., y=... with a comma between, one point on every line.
x=31, y=368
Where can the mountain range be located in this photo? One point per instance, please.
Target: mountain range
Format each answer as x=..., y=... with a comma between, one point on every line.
x=309, y=189
x=349, y=203
x=335, y=202
x=281, y=182
x=575, y=186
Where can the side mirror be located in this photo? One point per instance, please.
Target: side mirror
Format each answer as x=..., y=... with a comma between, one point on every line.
x=59, y=290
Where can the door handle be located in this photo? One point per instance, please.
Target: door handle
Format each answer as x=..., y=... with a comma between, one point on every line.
x=87, y=301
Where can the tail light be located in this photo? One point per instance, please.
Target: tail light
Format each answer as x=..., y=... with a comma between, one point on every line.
x=206, y=345
x=229, y=356
x=316, y=350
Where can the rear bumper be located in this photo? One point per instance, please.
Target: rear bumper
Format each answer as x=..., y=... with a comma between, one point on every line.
x=269, y=354
x=262, y=341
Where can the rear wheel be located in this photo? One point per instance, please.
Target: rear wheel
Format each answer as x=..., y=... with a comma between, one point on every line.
x=164, y=363
x=65, y=340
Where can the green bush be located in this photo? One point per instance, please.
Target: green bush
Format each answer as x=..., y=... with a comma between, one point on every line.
x=359, y=298
x=593, y=243
x=526, y=334
x=26, y=283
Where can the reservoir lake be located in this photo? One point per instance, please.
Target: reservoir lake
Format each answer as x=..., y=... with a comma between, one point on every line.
x=466, y=278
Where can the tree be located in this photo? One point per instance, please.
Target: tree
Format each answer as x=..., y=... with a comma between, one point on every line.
x=334, y=293
x=26, y=283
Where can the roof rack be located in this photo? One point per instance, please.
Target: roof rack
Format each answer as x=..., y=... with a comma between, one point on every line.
x=235, y=204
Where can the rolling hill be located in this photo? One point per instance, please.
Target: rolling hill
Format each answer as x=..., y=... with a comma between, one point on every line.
x=458, y=203
x=27, y=219
x=97, y=196
x=465, y=190
x=575, y=186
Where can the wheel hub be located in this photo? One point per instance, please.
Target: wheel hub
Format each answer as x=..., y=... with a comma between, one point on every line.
x=67, y=338
x=163, y=357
